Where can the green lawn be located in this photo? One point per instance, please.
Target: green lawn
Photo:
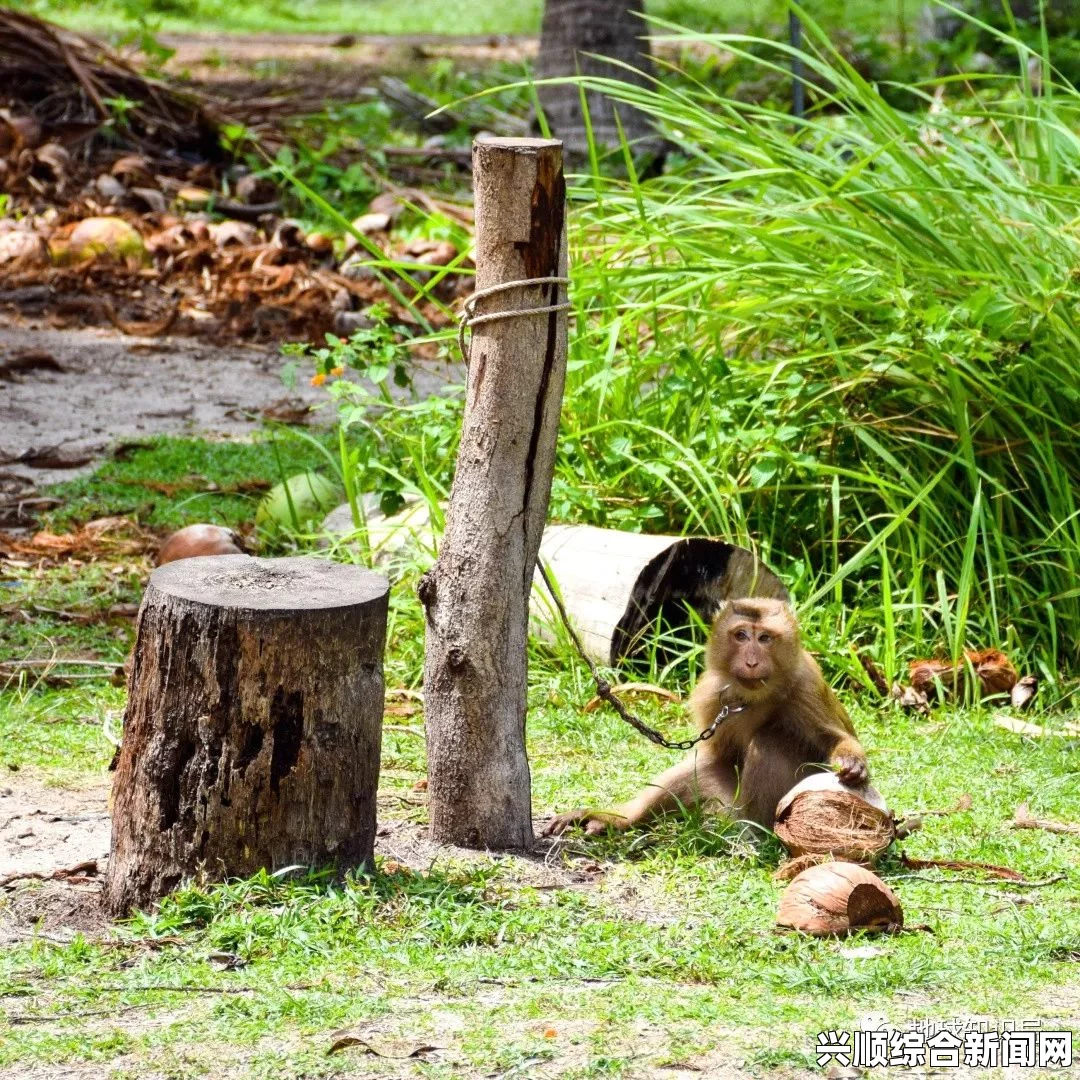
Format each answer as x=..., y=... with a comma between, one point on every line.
x=619, y=957
x=451, y=17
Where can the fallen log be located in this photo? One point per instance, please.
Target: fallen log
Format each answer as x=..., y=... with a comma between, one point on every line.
x=619, y=586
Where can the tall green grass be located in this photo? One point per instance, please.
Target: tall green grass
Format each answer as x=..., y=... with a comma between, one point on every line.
x=851, y=341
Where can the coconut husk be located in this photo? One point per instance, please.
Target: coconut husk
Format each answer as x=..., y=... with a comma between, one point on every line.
x=994, y=674
x=1024, y=691
x=792, y=868
x=838, y=898
x=836, y=823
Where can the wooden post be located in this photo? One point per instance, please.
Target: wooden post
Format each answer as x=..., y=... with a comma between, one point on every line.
x=476, y=596
x=253, y=723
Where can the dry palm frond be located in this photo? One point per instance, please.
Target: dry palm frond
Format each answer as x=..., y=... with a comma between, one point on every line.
x=73, y=84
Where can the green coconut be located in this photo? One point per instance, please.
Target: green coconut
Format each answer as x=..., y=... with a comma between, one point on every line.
x=297, y=504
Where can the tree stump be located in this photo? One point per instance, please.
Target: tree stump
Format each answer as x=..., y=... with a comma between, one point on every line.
x=253, y=724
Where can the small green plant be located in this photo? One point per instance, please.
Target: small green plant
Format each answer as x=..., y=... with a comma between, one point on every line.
x=376, y=353
x=387, y=441
x=145, y=27
x=120, y=110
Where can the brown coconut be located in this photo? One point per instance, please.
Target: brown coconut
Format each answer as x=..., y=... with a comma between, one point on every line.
x=822, y=816
x=838, y=898
x=196, y=540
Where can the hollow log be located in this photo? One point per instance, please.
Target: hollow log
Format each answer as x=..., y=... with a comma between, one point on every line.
x=253, y=725
x=617, y=585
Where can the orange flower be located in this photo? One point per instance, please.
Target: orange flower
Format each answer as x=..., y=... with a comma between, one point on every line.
x=318, y=379
x=550, y=1033
x=339, y=370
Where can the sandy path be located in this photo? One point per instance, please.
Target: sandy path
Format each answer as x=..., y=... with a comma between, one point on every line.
x=45, y=828
x=113, y=387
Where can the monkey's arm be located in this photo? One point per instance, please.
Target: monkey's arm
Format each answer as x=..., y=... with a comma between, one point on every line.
x=843, y=749
x=697, y=777
x=705, y=699
x=824, y=725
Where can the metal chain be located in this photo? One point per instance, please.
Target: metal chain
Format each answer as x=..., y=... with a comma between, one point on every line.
x=604, y=688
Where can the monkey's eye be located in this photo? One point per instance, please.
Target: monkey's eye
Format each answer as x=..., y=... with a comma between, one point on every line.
x=741, y=635
x=764, y=638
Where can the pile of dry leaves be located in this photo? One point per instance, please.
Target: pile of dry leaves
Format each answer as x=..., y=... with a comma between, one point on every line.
x=109, y=537
x=184, y=272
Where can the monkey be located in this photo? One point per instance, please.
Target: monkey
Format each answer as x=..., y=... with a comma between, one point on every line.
x=789, y=724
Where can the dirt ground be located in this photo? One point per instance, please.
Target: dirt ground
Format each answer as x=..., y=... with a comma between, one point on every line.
x=47, y=830
x=216, y=58
x=111, y=387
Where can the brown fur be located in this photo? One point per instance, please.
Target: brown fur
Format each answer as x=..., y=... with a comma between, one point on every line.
x=792, y=725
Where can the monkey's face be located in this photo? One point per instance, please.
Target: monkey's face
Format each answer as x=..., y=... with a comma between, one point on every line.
x=757, y=653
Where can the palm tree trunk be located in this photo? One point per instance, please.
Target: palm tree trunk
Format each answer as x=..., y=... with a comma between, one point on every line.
x=613, y=29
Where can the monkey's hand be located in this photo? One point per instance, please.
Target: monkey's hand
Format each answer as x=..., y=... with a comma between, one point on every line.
x=851, y=767
x=594, y=821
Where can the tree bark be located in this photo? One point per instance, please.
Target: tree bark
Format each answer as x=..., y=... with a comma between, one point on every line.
x=253, y=725
x=476, y=596
x=573, y=29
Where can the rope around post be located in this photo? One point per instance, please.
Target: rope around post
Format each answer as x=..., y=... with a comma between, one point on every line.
x=469, y=319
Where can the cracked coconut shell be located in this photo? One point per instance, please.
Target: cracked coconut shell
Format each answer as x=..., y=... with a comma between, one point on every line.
x=822, y=816
x=837, y=898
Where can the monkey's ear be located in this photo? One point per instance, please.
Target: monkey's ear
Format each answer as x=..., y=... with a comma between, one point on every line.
x=787, y=612
x=721, y=612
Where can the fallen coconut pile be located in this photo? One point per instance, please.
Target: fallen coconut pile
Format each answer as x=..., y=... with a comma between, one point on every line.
x=833, y=834
x=167, y=270
x=142, y=220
